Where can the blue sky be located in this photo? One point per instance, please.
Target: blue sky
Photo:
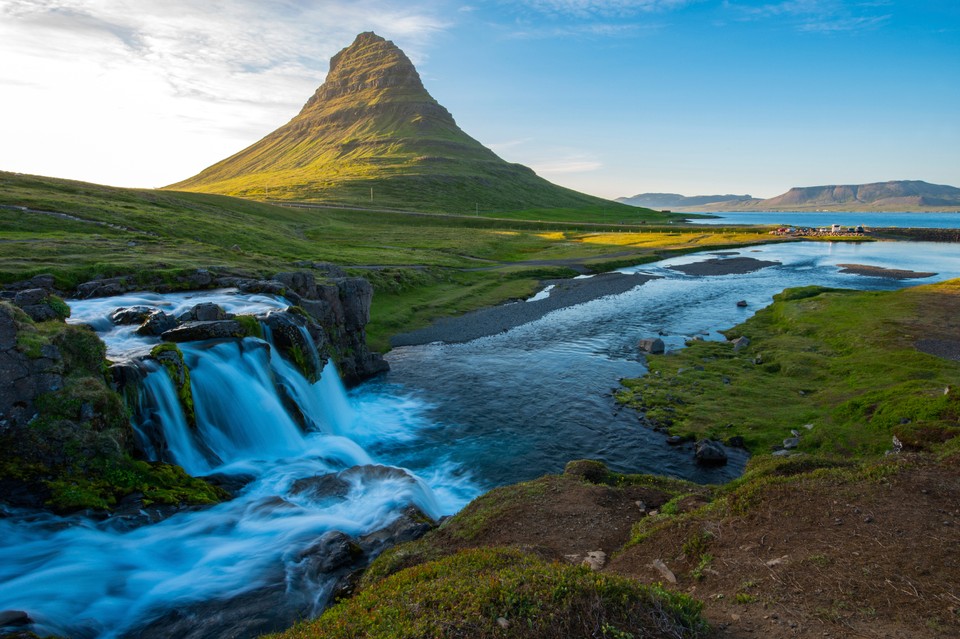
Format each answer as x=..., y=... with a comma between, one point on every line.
x=610, y=97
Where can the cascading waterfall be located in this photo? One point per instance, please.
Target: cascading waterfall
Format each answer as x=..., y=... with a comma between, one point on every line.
x=509, y=407
x=110, y=582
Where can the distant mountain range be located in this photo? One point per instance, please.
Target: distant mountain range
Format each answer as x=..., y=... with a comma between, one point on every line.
x=898, y=195
x=372, y=135
x=675, y=200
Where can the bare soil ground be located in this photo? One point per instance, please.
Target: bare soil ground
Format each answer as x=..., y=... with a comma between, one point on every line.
x=818, y=556
x=821, y=558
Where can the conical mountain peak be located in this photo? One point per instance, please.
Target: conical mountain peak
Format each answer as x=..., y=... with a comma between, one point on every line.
x=372, y=130
x=369, y=69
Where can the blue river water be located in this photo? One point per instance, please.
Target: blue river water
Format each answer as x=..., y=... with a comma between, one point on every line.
x=452, y=421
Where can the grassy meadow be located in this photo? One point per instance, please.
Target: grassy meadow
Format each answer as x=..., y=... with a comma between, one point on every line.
x=840, y=367
x=423, y=266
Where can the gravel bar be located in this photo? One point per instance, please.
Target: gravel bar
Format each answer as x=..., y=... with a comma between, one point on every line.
x=879, y=271
x=497, y=319
x=725, y=266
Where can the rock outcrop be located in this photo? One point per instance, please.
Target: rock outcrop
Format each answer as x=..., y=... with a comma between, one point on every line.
x=28, y=369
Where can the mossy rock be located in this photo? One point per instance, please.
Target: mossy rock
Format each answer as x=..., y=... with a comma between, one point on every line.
x=595, y=472
x=171, y=358
x=496, y=592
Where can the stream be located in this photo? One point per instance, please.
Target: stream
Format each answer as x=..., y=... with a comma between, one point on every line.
x=445, y=424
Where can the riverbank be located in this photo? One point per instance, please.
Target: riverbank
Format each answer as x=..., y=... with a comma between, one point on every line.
x=828, y=537
x=497, y=319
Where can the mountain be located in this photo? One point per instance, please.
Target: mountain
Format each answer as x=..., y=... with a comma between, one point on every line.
x=675, y=200
x=372, y=134
x=903, y=195
x=897, y=195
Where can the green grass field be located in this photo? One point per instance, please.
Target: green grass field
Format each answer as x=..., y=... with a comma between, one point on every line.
x=841, y=362
x=423, y=266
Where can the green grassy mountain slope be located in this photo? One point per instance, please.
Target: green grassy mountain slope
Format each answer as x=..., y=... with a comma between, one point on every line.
x=373, y=128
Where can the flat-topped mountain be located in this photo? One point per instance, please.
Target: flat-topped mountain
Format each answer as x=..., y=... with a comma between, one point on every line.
x=373, y=132
x=900, y=195
x=675, y=200
x=897, y=195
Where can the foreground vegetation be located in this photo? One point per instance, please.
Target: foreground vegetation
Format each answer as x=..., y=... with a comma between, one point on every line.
x=832, y=539
x=495, y=592
x=839, y=367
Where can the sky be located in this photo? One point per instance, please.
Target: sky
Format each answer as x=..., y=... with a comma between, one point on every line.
x=609, y=97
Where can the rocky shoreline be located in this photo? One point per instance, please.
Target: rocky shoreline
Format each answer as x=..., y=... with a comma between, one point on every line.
x=497, y=319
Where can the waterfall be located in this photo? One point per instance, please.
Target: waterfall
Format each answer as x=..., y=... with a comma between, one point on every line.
x=301, y=447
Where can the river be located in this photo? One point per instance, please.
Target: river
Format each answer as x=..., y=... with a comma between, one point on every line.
x=459, y=419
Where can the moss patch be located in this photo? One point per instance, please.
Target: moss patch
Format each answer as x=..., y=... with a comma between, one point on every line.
x=507, y=593
x=78, y=452
x=838, y=367
x=171, y=358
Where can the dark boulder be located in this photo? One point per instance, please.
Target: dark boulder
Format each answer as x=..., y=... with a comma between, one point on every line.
x=205, y=312
x=740, y=343
x=30, y=297
x=299, y=340
x=40, y=305
x=14, y=619
x=104, y=287
x=157, y=323
x=333, y=551
x=270, y=287
x=653, y=346
x=321, y=487
x=131, y=315
x=197, y=331
x=303, y=283
x=409, y=526
x=710, y=453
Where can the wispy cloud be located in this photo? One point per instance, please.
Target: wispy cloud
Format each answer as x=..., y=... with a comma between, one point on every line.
x=602, y=8
x=573, y=163
x=818, y=16
x=542, y=19
x=547, y=158
x=579, y=30
x=225, y=71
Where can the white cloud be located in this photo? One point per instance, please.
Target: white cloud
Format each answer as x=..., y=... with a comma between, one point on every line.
x=603, y=8
x=146, y=93
x=818, y=16
x=572, y=163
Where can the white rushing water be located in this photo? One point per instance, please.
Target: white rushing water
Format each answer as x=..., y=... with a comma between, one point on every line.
x=91, y=580
x=508, y=407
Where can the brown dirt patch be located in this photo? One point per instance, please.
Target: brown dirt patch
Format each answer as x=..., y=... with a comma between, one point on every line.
x=824, y=557
x=556, y=516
